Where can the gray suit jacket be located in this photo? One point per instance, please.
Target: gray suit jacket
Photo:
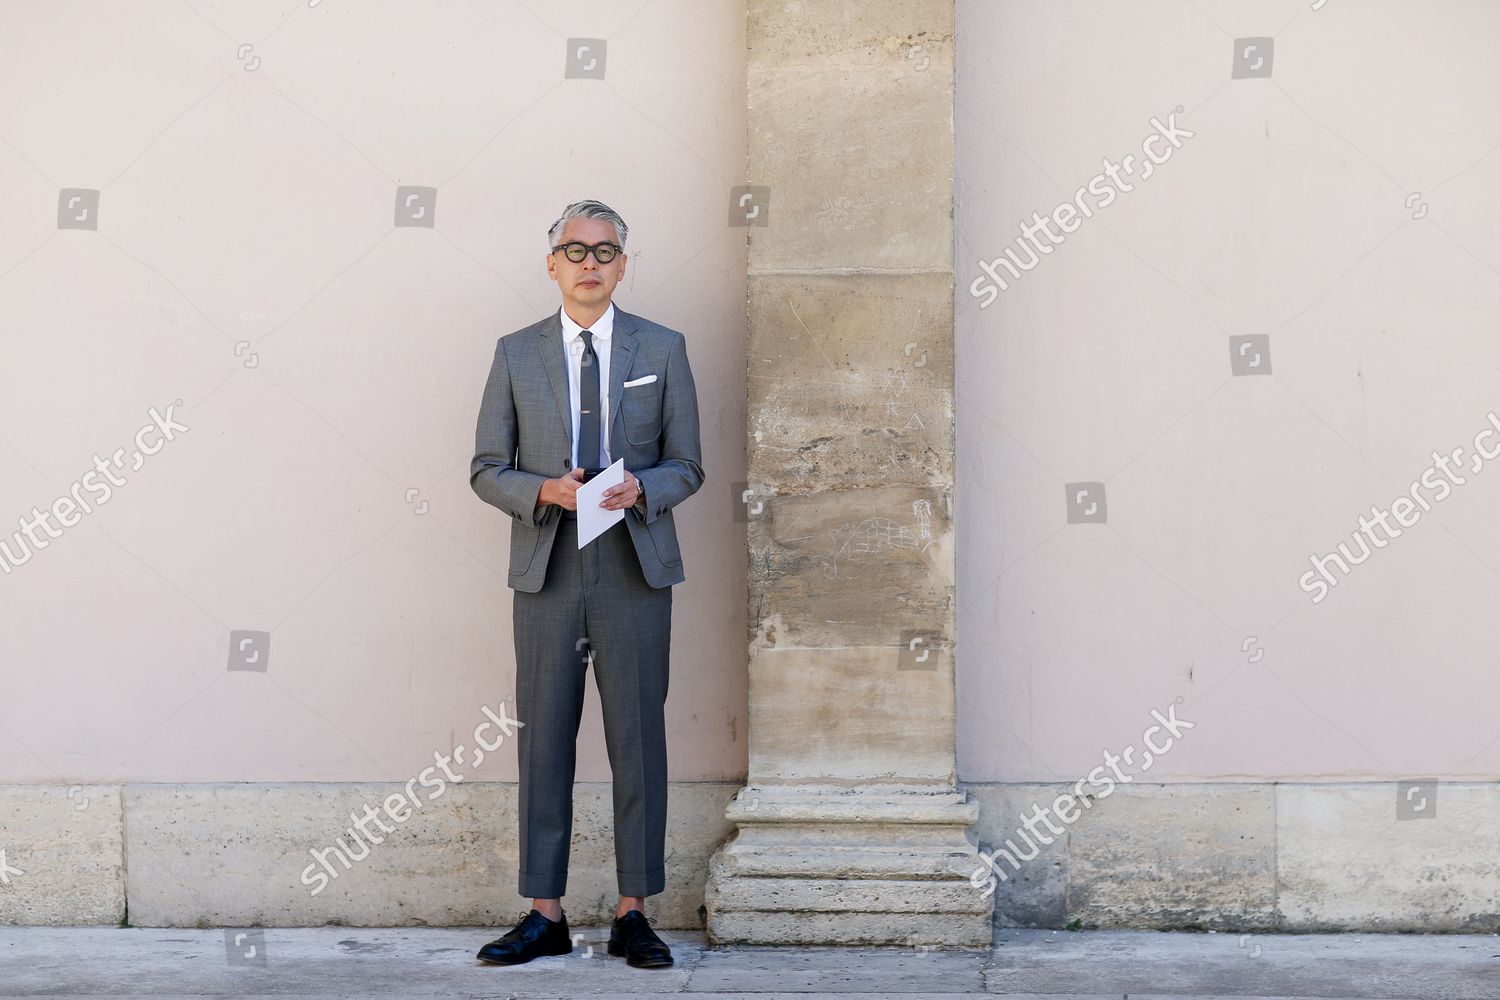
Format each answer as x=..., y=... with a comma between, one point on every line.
x=525, y=435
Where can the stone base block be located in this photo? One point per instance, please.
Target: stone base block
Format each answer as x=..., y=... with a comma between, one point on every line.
x=851, y=928
x=820, y=865
x=62, y=855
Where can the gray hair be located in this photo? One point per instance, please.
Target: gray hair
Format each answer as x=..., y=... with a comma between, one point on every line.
x=589, y=209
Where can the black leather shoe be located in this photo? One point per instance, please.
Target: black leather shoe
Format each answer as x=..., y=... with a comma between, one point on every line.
x=534, y=937
x=631, y=936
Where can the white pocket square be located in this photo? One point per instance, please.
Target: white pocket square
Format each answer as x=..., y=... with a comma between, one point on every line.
x=643, y=380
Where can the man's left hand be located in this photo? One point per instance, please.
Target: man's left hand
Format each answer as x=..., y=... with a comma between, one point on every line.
x=624, y=495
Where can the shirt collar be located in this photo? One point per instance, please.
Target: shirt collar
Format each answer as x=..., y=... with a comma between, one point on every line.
x=601, y=329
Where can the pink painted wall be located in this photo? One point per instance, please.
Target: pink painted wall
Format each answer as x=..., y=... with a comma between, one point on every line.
x=1342, y=208
x=245, y=217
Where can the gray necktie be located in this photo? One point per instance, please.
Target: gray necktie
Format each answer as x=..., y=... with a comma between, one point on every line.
x=588, y=406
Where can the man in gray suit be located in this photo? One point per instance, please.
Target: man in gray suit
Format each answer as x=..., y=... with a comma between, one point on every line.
x=566, y=397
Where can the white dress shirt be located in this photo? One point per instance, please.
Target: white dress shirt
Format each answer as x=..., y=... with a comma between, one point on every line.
x=599, y=335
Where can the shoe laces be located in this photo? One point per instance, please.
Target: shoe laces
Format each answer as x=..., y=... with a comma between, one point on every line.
x=520, y=922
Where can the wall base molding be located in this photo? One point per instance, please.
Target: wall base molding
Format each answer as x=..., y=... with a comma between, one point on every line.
x=235, y=854
x=1254, y=856
x=1242, y=857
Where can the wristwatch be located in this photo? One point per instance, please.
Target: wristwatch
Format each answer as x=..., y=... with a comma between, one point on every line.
x=640, y=501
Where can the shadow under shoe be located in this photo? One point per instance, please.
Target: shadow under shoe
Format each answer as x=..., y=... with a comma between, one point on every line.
x=534, y=937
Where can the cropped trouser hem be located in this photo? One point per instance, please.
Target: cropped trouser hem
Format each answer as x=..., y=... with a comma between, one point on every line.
x=553, y=886
x=556, y=886
x=641, y=883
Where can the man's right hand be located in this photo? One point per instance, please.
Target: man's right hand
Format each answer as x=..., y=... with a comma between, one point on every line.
x=562, y=491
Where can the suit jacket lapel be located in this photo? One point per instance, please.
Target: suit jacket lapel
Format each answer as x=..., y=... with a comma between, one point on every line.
x=550, y=344
x=621, y=348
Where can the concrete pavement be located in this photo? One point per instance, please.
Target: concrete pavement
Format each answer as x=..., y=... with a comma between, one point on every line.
x=327, y=962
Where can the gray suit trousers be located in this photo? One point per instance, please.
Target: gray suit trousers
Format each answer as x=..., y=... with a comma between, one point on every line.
x=600, y=594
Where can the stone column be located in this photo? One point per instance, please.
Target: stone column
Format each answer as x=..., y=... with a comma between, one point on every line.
x=851, y=830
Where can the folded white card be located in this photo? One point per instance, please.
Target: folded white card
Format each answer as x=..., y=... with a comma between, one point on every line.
x=643, y=380
x=594, y=520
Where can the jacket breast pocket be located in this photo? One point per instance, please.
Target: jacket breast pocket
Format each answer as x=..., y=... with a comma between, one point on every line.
x=640, y=410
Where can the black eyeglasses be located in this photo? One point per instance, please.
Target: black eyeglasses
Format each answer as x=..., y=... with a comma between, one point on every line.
x=576, y=252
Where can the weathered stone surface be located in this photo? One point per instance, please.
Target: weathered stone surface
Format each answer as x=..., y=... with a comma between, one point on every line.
x=858, y=865
x=861, y=568
x=850, y=119
x=851, y=553
x=851, y=714
x=799, y=928
x=1345, y=861
x=883, y=895
x=840, y=972
x=66, y=842
x=850, y=380
x=1036, y=894
x=1175, y=856
x=233, y=855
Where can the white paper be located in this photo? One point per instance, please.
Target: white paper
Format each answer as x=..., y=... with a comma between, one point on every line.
x=594, y=520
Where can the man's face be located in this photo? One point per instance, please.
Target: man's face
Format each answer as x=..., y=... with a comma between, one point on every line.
x=587, y=284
